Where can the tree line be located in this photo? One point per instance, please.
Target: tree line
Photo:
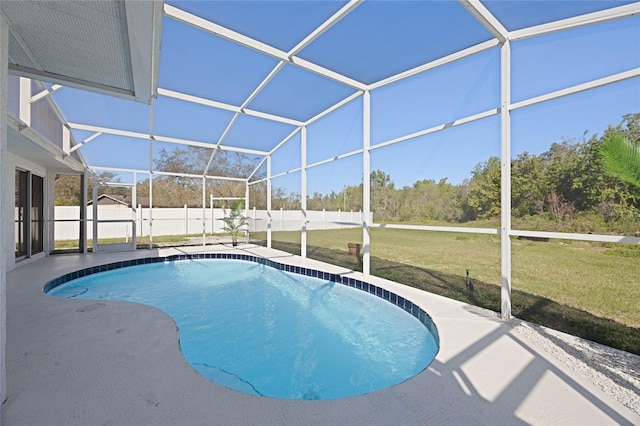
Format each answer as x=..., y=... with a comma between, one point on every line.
x=564, y=188
x=169, y=190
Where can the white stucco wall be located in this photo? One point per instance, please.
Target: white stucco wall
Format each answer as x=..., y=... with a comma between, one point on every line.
x=4, y=74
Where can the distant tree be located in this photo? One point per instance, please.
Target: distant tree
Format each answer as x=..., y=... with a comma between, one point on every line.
x=528, y=190
x=67, y=187
x=382, y=196
x=258, y=196
x=484, y=190
x=176, y=191
x=67, y=190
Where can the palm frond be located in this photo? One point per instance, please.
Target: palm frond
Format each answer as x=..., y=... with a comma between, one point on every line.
x=621, y=159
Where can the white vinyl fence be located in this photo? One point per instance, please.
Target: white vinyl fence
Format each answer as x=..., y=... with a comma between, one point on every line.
x=184, y=221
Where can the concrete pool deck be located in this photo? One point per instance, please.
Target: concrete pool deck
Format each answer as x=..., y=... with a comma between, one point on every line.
x=78, y=362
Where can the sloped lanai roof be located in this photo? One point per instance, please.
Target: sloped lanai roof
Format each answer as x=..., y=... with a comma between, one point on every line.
x=248, y=76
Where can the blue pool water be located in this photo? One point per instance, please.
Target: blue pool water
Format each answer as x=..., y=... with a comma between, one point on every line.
x=263, y=331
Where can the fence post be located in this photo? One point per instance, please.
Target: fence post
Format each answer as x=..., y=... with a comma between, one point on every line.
x=213, y=220
x=186, y=220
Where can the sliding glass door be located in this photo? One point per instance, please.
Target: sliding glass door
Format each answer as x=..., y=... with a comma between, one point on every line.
x=29, y=214
x=21, y=209
x=37, y=214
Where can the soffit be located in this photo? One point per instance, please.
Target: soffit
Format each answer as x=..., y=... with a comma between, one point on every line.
x=107, y=46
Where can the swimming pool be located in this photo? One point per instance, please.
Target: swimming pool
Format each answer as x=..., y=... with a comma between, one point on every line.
x=269, y=329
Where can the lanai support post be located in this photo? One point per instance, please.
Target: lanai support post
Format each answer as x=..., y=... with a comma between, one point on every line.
x=366, y=183
x=82, y=243
x=303, y=192
x=246, y=206
x=95, y=216
x=151, y=117
x=269, y=213
x=505, y=180
x=204, y=211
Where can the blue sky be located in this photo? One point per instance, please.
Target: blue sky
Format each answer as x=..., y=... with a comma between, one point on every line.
x=377, y=40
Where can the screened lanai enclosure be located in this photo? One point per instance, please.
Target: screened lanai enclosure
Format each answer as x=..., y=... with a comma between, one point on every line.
x=455, y=144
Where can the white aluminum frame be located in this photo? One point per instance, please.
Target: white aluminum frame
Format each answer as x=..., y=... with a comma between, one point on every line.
x=505, y=180
x=502, y=39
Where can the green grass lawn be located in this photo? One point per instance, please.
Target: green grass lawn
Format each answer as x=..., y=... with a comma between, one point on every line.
x=66, y=246
x=587, y=289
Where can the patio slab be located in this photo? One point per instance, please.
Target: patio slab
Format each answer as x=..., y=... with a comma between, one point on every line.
x=79, y=362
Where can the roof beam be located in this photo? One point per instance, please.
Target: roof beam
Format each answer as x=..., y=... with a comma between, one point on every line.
x=227, y=178
x=337, y=17
x=334, y=107
x=324, y=27
x=251, y=97
x=84, y=142
x=187, y=175
x=285, y=140
x=487, y=19
x=438, y=128
x=218, y=30
x=296, y=170
x=197, y=100
x=145, y=136
x=208, y=145
x=107, y=130
x=437, y=63
x=92, y=169
x=578, y=21
x=258, y=167
x=272, y=117
x=577, y=88
x=224, y=135
x=46, y=92
x=263, y=84
x=227, y=107
x=337, y=157
x=332, y=75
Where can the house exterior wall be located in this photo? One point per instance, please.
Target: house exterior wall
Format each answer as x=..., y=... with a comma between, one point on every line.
x=4, y=234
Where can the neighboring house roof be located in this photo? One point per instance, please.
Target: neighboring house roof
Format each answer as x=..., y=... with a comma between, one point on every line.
x=140, y=200
x=108, y=200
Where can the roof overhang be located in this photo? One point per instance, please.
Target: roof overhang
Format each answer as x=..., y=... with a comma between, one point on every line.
x=108, y=46
x=28, y=144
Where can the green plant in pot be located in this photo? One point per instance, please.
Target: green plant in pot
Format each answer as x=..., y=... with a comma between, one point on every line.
x=234, y=221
